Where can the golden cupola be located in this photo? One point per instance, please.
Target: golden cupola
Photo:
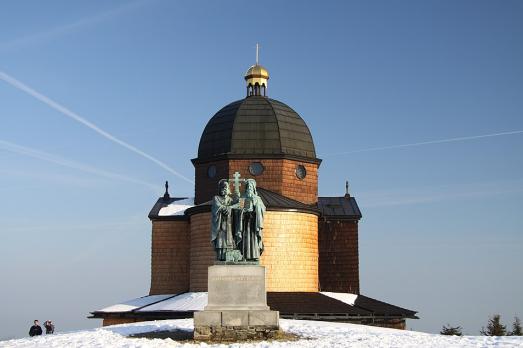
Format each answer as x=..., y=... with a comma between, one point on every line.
x=256, y=78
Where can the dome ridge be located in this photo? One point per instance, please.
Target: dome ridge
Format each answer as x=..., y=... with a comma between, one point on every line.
x=256, y=127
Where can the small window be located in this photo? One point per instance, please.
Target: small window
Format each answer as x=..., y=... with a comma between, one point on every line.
x=256, y=168
x=211, y=171
x=301, y=172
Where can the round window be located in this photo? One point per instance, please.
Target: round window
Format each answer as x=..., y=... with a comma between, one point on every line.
x=211, y=171
x=301, y=172
x=256, y=168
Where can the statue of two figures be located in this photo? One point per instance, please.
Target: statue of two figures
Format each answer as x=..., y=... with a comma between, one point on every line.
x=237, y=222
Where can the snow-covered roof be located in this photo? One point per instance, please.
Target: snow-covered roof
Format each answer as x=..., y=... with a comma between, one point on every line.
x=176, y=208
x=171, y=208
x=133, y=304
x=288, y=303
x=347, y=298
x=190, y=302
x=187, y=302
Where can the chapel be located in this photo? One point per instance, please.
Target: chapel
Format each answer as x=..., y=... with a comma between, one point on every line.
x=311, y=252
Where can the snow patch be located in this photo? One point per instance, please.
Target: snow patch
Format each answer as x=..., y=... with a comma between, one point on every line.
x=177, y=207
x=134, y=303
x=347, y=298
x=186, y=302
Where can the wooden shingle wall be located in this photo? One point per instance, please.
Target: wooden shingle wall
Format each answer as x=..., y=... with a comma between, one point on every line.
x=290, y=255
x=339, y=258
x=170, y=257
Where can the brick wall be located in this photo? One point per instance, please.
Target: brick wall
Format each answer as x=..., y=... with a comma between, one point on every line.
x=339, y=258
x=205, y=187
x=170, y=257
x=306, y=190
x=279, y=176
x=290, y=255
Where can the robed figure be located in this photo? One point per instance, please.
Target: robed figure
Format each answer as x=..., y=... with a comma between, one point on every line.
x=222, y=222
x=250, y=224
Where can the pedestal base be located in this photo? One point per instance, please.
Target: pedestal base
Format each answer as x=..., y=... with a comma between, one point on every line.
x=237, y=306
x=235, y=325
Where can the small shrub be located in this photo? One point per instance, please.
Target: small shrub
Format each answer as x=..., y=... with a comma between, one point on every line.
x=516, y=328
x=494, y=327
x=451, y=330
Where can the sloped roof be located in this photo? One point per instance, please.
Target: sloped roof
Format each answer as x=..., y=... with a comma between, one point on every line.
x=382, y=308
x=164, y=202
x=344, y=207
x=273, y=202
x=287, y=303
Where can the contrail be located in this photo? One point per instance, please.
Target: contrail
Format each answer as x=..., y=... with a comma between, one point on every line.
x=63, y=29
x=44, y=156
x=62, y=109
x=449, y=140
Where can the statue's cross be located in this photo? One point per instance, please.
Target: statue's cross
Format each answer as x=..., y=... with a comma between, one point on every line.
x=237, y=184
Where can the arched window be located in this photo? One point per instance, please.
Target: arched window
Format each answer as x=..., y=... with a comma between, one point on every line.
x=256, y=88
x=264, y=90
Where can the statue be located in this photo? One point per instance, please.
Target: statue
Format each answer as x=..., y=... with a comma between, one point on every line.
x=221, y=225
x=237, y=222
x=250, y=223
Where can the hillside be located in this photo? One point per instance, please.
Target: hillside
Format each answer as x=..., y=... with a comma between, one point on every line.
x=316, y=334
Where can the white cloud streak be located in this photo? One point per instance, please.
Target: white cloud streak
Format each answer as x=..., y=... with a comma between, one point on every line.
x=440, y=141
x=422, y=195
x=44, y=156
x=57, y=31
x=63, y=110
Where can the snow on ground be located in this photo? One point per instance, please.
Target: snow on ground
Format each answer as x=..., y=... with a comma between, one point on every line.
x=318, y=334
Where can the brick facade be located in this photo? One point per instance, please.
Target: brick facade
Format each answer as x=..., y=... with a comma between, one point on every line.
x=170, y=257
x=339, y=259
x=279, y=176
x=290, y=255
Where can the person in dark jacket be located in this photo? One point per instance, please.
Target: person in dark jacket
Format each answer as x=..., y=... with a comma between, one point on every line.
x=35, y=330
x=49, y=327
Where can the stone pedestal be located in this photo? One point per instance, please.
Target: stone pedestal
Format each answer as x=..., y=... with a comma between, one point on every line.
x=237, y=306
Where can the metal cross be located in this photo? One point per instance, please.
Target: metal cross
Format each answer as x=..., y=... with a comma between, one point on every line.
x=257, y=49
x=237, y=184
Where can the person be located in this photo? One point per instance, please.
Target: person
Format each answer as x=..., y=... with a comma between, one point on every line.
x=49, y=327
x=35, y=330
x=251, y=223
x=221, y=229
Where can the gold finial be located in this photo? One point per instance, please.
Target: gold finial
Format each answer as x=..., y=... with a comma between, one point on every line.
x=257, y=77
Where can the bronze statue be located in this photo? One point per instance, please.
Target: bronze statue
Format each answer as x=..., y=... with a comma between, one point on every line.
x=250, y=223
x=237, y=222
x=221, y=226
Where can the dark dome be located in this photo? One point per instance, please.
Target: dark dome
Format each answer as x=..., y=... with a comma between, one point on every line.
x=256, y=126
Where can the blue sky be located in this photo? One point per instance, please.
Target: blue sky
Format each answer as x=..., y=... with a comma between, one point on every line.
x=442, y=223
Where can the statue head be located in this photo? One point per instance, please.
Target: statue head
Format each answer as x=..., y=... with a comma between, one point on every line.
x=223, y=188
x=250, y=188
